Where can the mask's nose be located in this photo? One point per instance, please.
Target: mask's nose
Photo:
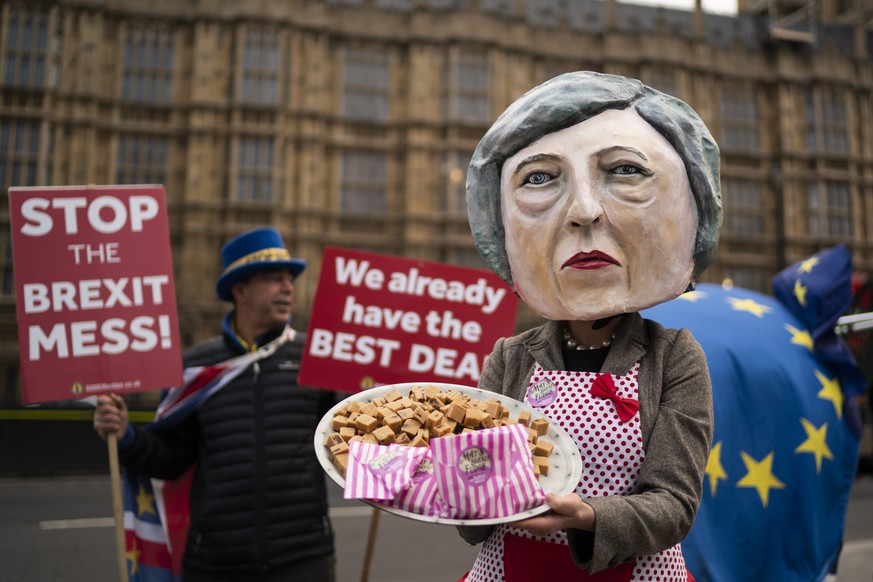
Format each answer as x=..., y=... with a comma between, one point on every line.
x=585, y=208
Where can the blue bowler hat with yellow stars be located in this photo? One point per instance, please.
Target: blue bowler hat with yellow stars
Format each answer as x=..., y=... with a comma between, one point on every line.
x=261, y=249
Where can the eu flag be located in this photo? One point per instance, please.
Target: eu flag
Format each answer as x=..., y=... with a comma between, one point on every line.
x=784, y=457
x=148, y=555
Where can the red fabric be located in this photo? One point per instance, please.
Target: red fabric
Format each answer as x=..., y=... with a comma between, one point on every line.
x=604, y=387
x=148, y=553
x=200, y=381
x=527, y=560
x=178, y=511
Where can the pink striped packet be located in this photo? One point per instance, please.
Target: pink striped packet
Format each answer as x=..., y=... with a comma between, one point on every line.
x=422, y=496
x=486, y=473
x=380, y=472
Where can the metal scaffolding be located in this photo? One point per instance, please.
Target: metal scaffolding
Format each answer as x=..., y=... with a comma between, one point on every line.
x=789, y=20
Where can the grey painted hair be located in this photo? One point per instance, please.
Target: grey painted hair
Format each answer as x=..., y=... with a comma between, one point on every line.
x=570, y=99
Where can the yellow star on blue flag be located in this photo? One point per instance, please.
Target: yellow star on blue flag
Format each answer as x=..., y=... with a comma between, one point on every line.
x=749, y=305
x=800, y=337
x=800, y=293
x=759, y=474
x=145, y=503
x=133, y=557
x=815, y=443
x=807, y=265
x=830, y=391
x=714, y=469
x=692, y=296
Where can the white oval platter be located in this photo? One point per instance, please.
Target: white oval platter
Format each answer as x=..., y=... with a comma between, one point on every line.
x=565, y=462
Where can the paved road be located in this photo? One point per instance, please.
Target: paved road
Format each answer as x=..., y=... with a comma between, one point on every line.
x=59, y=530
x=856, y=562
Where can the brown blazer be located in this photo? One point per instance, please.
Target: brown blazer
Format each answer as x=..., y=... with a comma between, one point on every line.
x=676, y=416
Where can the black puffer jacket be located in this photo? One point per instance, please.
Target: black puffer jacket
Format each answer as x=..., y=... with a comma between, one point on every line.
x=258, y=498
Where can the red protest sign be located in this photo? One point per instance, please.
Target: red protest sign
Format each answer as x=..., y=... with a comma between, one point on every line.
x=379, y=319
x=96, y=304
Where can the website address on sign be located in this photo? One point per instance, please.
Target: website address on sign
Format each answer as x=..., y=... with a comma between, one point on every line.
x=103, y=386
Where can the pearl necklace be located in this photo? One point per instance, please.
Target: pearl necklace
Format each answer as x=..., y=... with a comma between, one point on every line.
x=572, y=344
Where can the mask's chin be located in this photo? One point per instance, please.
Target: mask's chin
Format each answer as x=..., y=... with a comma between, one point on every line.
x=575, y=315
x=558, y=311
x=553, y=308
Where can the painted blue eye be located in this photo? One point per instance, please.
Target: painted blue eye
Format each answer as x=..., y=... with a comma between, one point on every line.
x=627, y=170
x=537, y=178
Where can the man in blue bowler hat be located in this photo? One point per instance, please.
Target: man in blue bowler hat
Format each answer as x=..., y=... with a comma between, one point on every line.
x=258, y=501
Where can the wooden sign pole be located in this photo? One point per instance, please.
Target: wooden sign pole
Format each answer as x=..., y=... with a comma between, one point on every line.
x=117, y=505
x=371, y=543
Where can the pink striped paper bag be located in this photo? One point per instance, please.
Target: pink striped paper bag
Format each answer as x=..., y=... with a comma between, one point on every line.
x=380, y=472
x=487, y=473
x=421, y=496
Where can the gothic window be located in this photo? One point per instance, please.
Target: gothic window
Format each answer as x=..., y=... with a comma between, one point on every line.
x=467, y=84
x=363, y=183
x=743, y=206
x=739, y=119
x=255, y=169
x=366, y=84
x=142, y=159
x=826, y=123
x=260, y=67
x=26, y=48
x=147, y=75
x=830, y=209
x=19, y=152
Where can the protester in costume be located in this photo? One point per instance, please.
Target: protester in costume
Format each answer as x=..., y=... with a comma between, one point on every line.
x=258, y=498
x=595, y=197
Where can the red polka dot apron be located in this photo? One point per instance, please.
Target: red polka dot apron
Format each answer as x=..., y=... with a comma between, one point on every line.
x=606, y=428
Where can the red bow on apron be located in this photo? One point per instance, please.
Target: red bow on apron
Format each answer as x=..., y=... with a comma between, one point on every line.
x=604, y=387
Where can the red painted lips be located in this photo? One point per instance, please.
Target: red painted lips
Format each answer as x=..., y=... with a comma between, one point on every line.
x=592, y=260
